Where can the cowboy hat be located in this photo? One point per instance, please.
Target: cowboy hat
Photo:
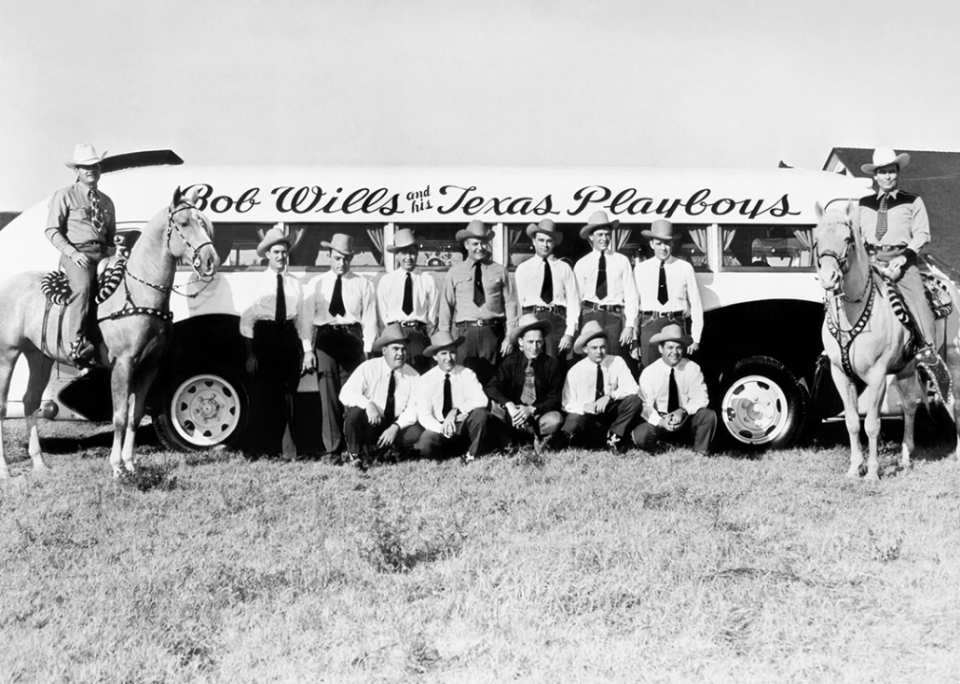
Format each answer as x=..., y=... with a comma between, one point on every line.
x=402, y=239
x=85, y=155
x=279, y=233
x=440, y=341
x=884, y=156
x=392, y=334
x=672, y=333
x=661, y=229
x=476, y=229
x=340, y=243
x=596, y=221
x=591, y=331
x=529, y=322
x=547, y=227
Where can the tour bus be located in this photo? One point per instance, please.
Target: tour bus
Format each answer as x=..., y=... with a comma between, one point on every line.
x=747, y=233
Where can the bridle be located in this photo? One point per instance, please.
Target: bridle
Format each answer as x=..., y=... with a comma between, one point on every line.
x=172, y=225
x=843, y=264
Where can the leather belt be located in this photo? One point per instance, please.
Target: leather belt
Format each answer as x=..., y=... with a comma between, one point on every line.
x=409, y=324
x=591, y=306
x=481, y=323
x=558, y=309
x=338, y=326
x=663, y=314
x=885, y=248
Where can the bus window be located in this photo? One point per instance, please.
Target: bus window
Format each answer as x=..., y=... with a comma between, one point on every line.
x=439, y=249
x=763, y=247
x=692, y=247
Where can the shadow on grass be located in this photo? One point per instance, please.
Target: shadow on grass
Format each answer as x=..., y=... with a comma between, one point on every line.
x=148, y=477
x=103, y=437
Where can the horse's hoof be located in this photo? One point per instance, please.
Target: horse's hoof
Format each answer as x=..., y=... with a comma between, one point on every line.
x=853, y=473
x=42, y=470
x=872, y=477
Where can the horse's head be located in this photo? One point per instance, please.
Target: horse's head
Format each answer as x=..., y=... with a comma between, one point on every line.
x=190, y=234
x=834, y=243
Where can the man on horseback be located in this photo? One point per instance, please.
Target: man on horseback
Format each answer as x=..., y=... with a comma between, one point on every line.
x=895, y=227
x=82, y=225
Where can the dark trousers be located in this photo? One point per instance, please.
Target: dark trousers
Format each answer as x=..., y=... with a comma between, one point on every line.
x=80, y=316
x=618, y=418
x=481, y=350
x=698, y=429
x=472, y=435
x=650, y=326
x=339, y=352
x=545, y=425
x=361, y=437
x=279, y=352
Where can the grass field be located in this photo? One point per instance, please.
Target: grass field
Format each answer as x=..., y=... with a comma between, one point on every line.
x=583, y=567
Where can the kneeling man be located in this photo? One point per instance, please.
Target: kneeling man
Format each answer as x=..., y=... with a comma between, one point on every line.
x=529, y=384
x=600, y=394
x=451, y=405
x=674, y=396
x=379, y=412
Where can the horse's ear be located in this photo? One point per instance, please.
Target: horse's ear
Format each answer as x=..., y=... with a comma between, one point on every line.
x=177, y=195
x=192, y=199
x=818, y=209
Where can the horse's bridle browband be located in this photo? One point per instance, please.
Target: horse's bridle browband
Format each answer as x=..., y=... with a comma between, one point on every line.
x=172, y=225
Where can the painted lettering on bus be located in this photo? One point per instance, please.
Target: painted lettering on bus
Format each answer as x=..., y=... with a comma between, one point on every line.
x=627, y=202
x=220, y=204
x=465, y=200
x=315, y=199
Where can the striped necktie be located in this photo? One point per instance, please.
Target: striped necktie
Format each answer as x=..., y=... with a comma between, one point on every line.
x=882, y=217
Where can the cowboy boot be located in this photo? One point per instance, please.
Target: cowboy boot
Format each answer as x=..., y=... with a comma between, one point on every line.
x=83, y=353
x=935, y=370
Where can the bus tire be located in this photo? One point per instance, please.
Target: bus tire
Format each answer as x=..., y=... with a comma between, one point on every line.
x=763, y=405
x=202, y=410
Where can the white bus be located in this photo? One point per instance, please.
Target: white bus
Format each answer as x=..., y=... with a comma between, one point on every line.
x=747, y=232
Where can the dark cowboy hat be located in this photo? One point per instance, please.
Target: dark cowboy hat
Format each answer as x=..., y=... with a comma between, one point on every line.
x=672, y=333
x=530, y=322
x=340, y=243
x=884, y=156
x=440, y=341
x=476, y=229
x=392, y=334
x=547, y=227
x=661, y=229
x=598, y=220
x=591, y=331
x=402, y=239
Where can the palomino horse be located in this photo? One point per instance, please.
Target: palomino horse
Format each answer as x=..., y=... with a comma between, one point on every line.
x=864, y=338
x=135, y=321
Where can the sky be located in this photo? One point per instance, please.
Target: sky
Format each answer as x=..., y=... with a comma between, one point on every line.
x=738, y=83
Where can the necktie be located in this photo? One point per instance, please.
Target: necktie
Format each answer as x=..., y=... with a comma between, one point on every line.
x=96, y=217
x=478, y=297
x=529, y=394
x=281, y=314
x=673, y=396
x=662, y=284
x=447, y=396
x=546, y=290
x=602, y=278
x=882, y=218
x=408, y=295
x=390, y=408
x=336, y=302
x=601, y=390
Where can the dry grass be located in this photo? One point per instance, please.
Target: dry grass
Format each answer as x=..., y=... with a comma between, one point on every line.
x=585, y=567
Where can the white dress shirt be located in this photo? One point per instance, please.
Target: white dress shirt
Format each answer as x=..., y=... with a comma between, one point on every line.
x=683, y=293
x=368, y=384
x=621, y=288
x=466, y=390
x=426, y=298
x=580, y=387
x=655, y=389
x=358, y=300
x=263, y=306
x=529, y=277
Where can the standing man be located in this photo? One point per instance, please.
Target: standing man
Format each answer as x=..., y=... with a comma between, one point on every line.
x=547, y=288
x=478, y=303
x=529, y=385
x=380, y=415
x=606, y=286
x=674, y=396
x=409, y=299
x=270, y=335
x=895, y=228
x=337, y=331
x=668, y=291
x=451, y=405
x=600, y=394
x=82, y=226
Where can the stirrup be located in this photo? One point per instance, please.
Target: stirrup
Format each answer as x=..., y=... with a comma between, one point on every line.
x=83, y=353
x=936, y=372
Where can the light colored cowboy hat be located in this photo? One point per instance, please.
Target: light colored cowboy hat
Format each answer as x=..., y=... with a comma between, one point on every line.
x=392, y=334
x=598, y=220
x=279, y=233
x=85, y=155
x=547, y=227
x=661, y=229
x=476, y=229
x=340, y=243
x=884, y=156
x=672, y=333
x=402, y=239
x=440, y=341
x=591, y=331
x=529, y=322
